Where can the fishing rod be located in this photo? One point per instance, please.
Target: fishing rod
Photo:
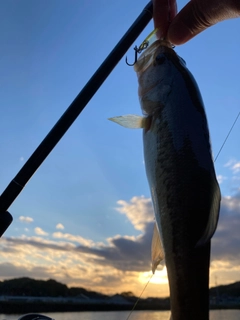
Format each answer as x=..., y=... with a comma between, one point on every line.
x=70, y=115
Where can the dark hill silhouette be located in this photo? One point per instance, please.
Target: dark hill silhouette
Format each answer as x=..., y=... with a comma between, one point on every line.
x=24, y=295
x=32, y=287
x=41, y=288
x=51, y=288
x=232, y=290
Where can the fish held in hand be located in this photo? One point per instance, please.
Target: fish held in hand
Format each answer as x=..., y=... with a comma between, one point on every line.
x=180, y=171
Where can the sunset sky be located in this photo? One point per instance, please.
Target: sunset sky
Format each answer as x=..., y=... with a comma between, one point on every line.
x=85, y=218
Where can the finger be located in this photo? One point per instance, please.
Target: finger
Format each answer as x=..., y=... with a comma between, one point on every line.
x=163, y=13
x=198, y=15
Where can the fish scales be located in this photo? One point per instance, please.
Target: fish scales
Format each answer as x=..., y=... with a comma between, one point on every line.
x=181, y=176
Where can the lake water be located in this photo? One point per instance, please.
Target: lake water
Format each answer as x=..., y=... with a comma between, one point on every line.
x=123, y=315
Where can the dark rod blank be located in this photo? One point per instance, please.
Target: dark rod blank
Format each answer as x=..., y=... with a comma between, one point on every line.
x=71, y=114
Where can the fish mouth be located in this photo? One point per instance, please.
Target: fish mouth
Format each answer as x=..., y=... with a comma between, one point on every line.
x=148, y=56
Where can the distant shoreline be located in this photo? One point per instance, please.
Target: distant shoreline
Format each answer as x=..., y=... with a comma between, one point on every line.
x=26, y=295
x=28, y=307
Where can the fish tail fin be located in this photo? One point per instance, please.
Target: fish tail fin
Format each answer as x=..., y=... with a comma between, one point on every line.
x=131, y=121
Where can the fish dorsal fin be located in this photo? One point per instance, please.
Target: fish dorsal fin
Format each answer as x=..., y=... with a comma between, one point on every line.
x=157, y=249
x=212, y=220
x=131, y=121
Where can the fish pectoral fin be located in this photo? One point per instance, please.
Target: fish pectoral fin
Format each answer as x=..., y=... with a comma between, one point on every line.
x=212, y=220
x=157, y=249
x=131, y=121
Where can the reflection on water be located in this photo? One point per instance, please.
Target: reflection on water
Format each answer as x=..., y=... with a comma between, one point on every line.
x=122, y=315
x=225, y=314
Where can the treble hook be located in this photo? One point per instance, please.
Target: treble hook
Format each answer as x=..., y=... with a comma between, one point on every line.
x=142, y=47
x=136, y=53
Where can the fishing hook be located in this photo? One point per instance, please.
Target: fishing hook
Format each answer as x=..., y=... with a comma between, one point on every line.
x=135, y=60
x=142, y=47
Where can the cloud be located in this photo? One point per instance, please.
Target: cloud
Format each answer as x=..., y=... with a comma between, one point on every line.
x=26, y=219
x=139, y=211
x=42, y=258
x=15, y=243
x=59, y=226
x=230, y=163
x=40, y=232
x=123, y=260
x=220, y=178
x=124, y=253
x=73, y=238
x=236, y=167
x=9, y=270
x=226, y=241
x=132, y=253
x=21, y=158
x=233, y=165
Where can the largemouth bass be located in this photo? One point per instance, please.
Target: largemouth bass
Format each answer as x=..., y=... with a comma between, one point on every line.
x=180, y=171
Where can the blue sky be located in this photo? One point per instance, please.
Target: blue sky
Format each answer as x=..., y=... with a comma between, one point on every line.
x=85, y=217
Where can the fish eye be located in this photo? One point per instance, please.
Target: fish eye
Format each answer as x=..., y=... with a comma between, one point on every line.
x=160, y=58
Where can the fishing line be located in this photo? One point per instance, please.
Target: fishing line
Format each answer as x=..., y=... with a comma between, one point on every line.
x=139, y=297
x=227, y=136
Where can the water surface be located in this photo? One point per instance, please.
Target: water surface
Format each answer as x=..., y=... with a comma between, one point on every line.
x=123, y=315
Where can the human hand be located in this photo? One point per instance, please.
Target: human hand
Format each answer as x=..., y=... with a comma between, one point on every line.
x=163, y=13
x=195, y=17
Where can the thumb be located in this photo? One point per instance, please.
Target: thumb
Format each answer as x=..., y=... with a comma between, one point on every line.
x=198, y=15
